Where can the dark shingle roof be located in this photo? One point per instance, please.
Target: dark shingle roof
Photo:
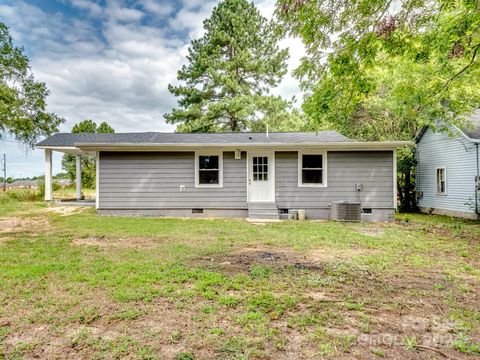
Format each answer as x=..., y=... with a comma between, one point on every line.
x=472, y=130
x=67, y=139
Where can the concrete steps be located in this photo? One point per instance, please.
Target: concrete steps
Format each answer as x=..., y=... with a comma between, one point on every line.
x=263, y=211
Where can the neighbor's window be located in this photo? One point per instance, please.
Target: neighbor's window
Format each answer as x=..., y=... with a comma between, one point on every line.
x=311, y=169
x=441, y=181
x=209, y=170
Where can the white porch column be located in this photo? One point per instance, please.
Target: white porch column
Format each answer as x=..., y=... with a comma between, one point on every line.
x=78, y=176
x=48, y=175
x=97, y=180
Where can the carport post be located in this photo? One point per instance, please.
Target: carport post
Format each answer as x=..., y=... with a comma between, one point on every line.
x=48, y=175
x=78, y=176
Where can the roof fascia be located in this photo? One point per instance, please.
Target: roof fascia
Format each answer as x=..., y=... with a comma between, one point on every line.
x=420, y=134
x=386, y=145
x=64, y=149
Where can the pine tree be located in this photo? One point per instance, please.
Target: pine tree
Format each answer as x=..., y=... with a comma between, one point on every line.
x=230, y=71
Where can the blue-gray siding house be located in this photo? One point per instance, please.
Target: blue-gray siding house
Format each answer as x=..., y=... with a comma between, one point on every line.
x=254, y=175
x=447, y=170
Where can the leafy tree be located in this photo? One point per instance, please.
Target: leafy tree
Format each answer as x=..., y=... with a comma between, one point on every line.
x=22, y=99
x=88, y=162
x=230, y=71
x=380, y=70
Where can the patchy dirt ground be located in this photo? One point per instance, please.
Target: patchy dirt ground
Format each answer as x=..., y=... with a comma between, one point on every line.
x=391, y=308
x=242, y=260
x=98, y=287
x=65, y=210
x=123, y=242
x=22, y=225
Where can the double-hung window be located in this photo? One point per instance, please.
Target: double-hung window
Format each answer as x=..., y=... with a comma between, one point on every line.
x=208, y=170
x=312, y=170
x=441, y=173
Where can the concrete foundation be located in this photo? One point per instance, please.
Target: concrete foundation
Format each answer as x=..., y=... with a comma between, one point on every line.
x=310, y=214
x=188, y=213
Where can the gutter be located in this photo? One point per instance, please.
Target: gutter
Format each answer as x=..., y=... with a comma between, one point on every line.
x=386, y=145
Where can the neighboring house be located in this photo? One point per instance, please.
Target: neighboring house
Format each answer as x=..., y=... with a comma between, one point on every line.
x=447, y=174
x=233, y=174
x=24, y=184
x=63, y=183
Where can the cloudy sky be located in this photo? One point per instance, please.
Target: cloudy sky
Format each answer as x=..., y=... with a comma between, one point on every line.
x=111, y=60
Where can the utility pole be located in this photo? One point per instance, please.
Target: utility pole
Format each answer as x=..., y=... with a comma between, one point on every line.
x=4, y=163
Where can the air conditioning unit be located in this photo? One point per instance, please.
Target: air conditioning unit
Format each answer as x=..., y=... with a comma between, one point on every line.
x=346, y=211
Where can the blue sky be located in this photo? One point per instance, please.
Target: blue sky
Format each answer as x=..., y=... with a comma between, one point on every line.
x=111, y=61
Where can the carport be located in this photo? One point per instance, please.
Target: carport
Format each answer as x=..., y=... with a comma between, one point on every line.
x=63, y=143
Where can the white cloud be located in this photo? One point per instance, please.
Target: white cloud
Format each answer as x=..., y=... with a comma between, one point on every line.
x=116, y=12
x=190, y=17
x=92, y=7
x=158, y=8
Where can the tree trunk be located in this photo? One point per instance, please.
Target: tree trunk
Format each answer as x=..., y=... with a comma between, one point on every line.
x=407, y=195
x=400, y=191
x=407, y=200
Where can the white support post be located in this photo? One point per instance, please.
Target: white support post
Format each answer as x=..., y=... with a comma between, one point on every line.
x=48, y=175
x=395, y=190
x=78, y=176
x=97, y=180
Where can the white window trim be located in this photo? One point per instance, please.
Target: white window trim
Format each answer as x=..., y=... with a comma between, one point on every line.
x=436, y=180
x=324, y=167
x=220, y=168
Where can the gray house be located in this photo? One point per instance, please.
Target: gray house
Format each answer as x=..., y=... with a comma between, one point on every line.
x=447, y=172
x=233, y=174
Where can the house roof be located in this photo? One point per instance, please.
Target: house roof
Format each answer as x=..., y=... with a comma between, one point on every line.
x=154, y=138
x=24, y=183
x=153, y=141
x=471, y=130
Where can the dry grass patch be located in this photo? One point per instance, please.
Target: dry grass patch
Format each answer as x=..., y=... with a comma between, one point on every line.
x=243, y=260
x=117, y=242
x=65, y=210
x=22, y=225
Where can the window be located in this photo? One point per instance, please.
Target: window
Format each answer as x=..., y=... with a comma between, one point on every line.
x=208, y=170
x=260, y=168
x=441, y=181
x=312, y=169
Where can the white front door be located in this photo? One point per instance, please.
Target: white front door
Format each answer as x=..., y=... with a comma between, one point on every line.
x=261, y=180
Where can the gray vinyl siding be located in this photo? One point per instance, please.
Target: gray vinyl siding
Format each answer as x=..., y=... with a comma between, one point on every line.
x=374, y=170
x=151, y=180
x=143, y=180
x=458, y=155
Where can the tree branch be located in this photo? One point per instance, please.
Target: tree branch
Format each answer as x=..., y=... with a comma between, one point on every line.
x=465, y=68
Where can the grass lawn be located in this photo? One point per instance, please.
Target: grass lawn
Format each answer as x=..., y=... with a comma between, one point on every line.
x=77, y=285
